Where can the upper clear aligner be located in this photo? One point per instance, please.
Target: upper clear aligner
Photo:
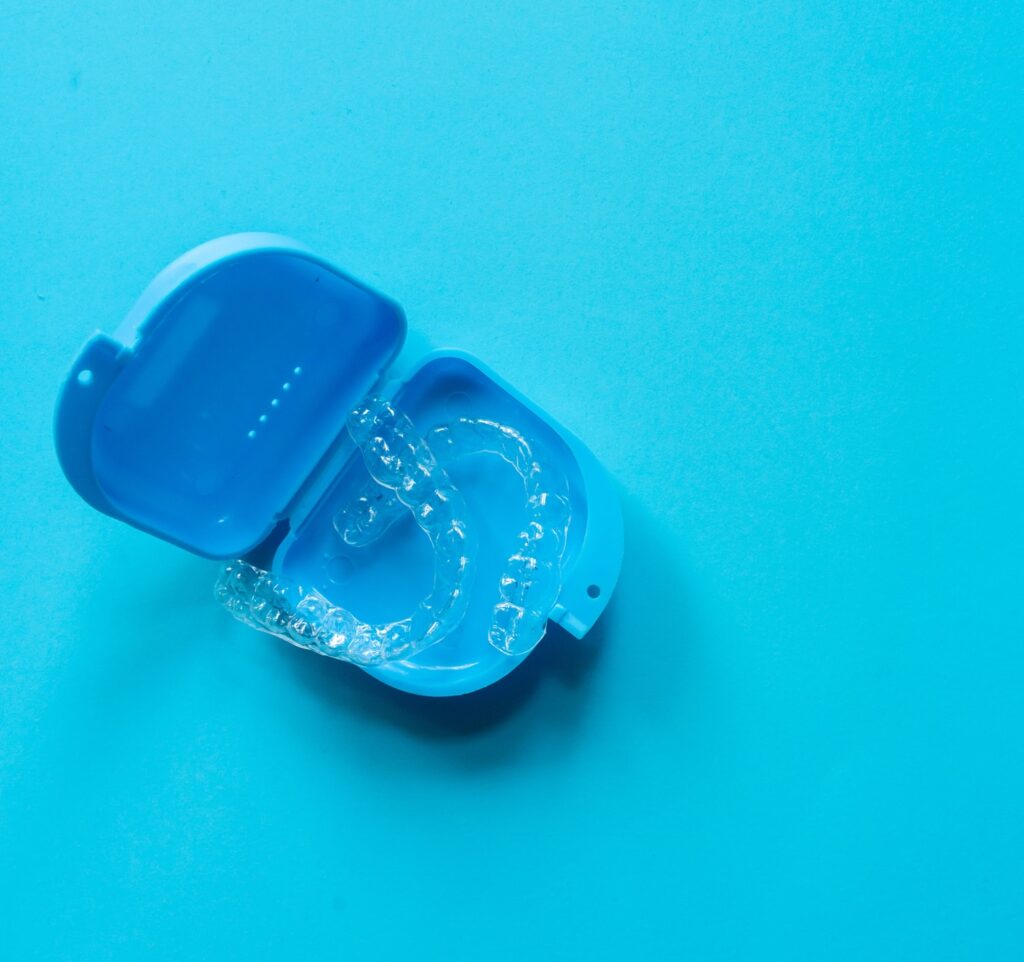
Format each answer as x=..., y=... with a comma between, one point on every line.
x=529, y=585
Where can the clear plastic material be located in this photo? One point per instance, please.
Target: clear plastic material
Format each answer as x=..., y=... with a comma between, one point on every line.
x=401, y=463
x=408, y=473
x=528, y=588
x=210, y=418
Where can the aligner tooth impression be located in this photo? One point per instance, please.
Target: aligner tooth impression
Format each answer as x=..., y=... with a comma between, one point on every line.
x=408, y=474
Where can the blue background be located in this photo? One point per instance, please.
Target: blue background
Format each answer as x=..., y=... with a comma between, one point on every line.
x=766, y=260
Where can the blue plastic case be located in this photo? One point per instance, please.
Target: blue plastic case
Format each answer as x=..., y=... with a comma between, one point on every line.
x=214, y=418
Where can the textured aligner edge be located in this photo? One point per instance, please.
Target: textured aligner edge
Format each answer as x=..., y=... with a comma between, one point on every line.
x=532, y=578
x=403, y=466
x=530, y=583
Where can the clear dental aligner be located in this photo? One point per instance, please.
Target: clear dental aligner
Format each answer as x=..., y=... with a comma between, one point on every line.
x=529, y=585
x=404, y=467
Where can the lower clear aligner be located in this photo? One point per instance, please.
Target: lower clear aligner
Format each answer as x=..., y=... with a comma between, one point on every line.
x=408, y=473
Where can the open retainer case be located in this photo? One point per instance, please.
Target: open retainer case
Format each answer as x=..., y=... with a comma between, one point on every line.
x=425, y=529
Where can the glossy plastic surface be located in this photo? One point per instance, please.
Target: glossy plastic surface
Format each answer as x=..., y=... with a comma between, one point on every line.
x=385, y=578
x=226, y=391
x=215, y=419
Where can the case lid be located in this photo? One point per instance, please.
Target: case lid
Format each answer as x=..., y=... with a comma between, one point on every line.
x=231, y=378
